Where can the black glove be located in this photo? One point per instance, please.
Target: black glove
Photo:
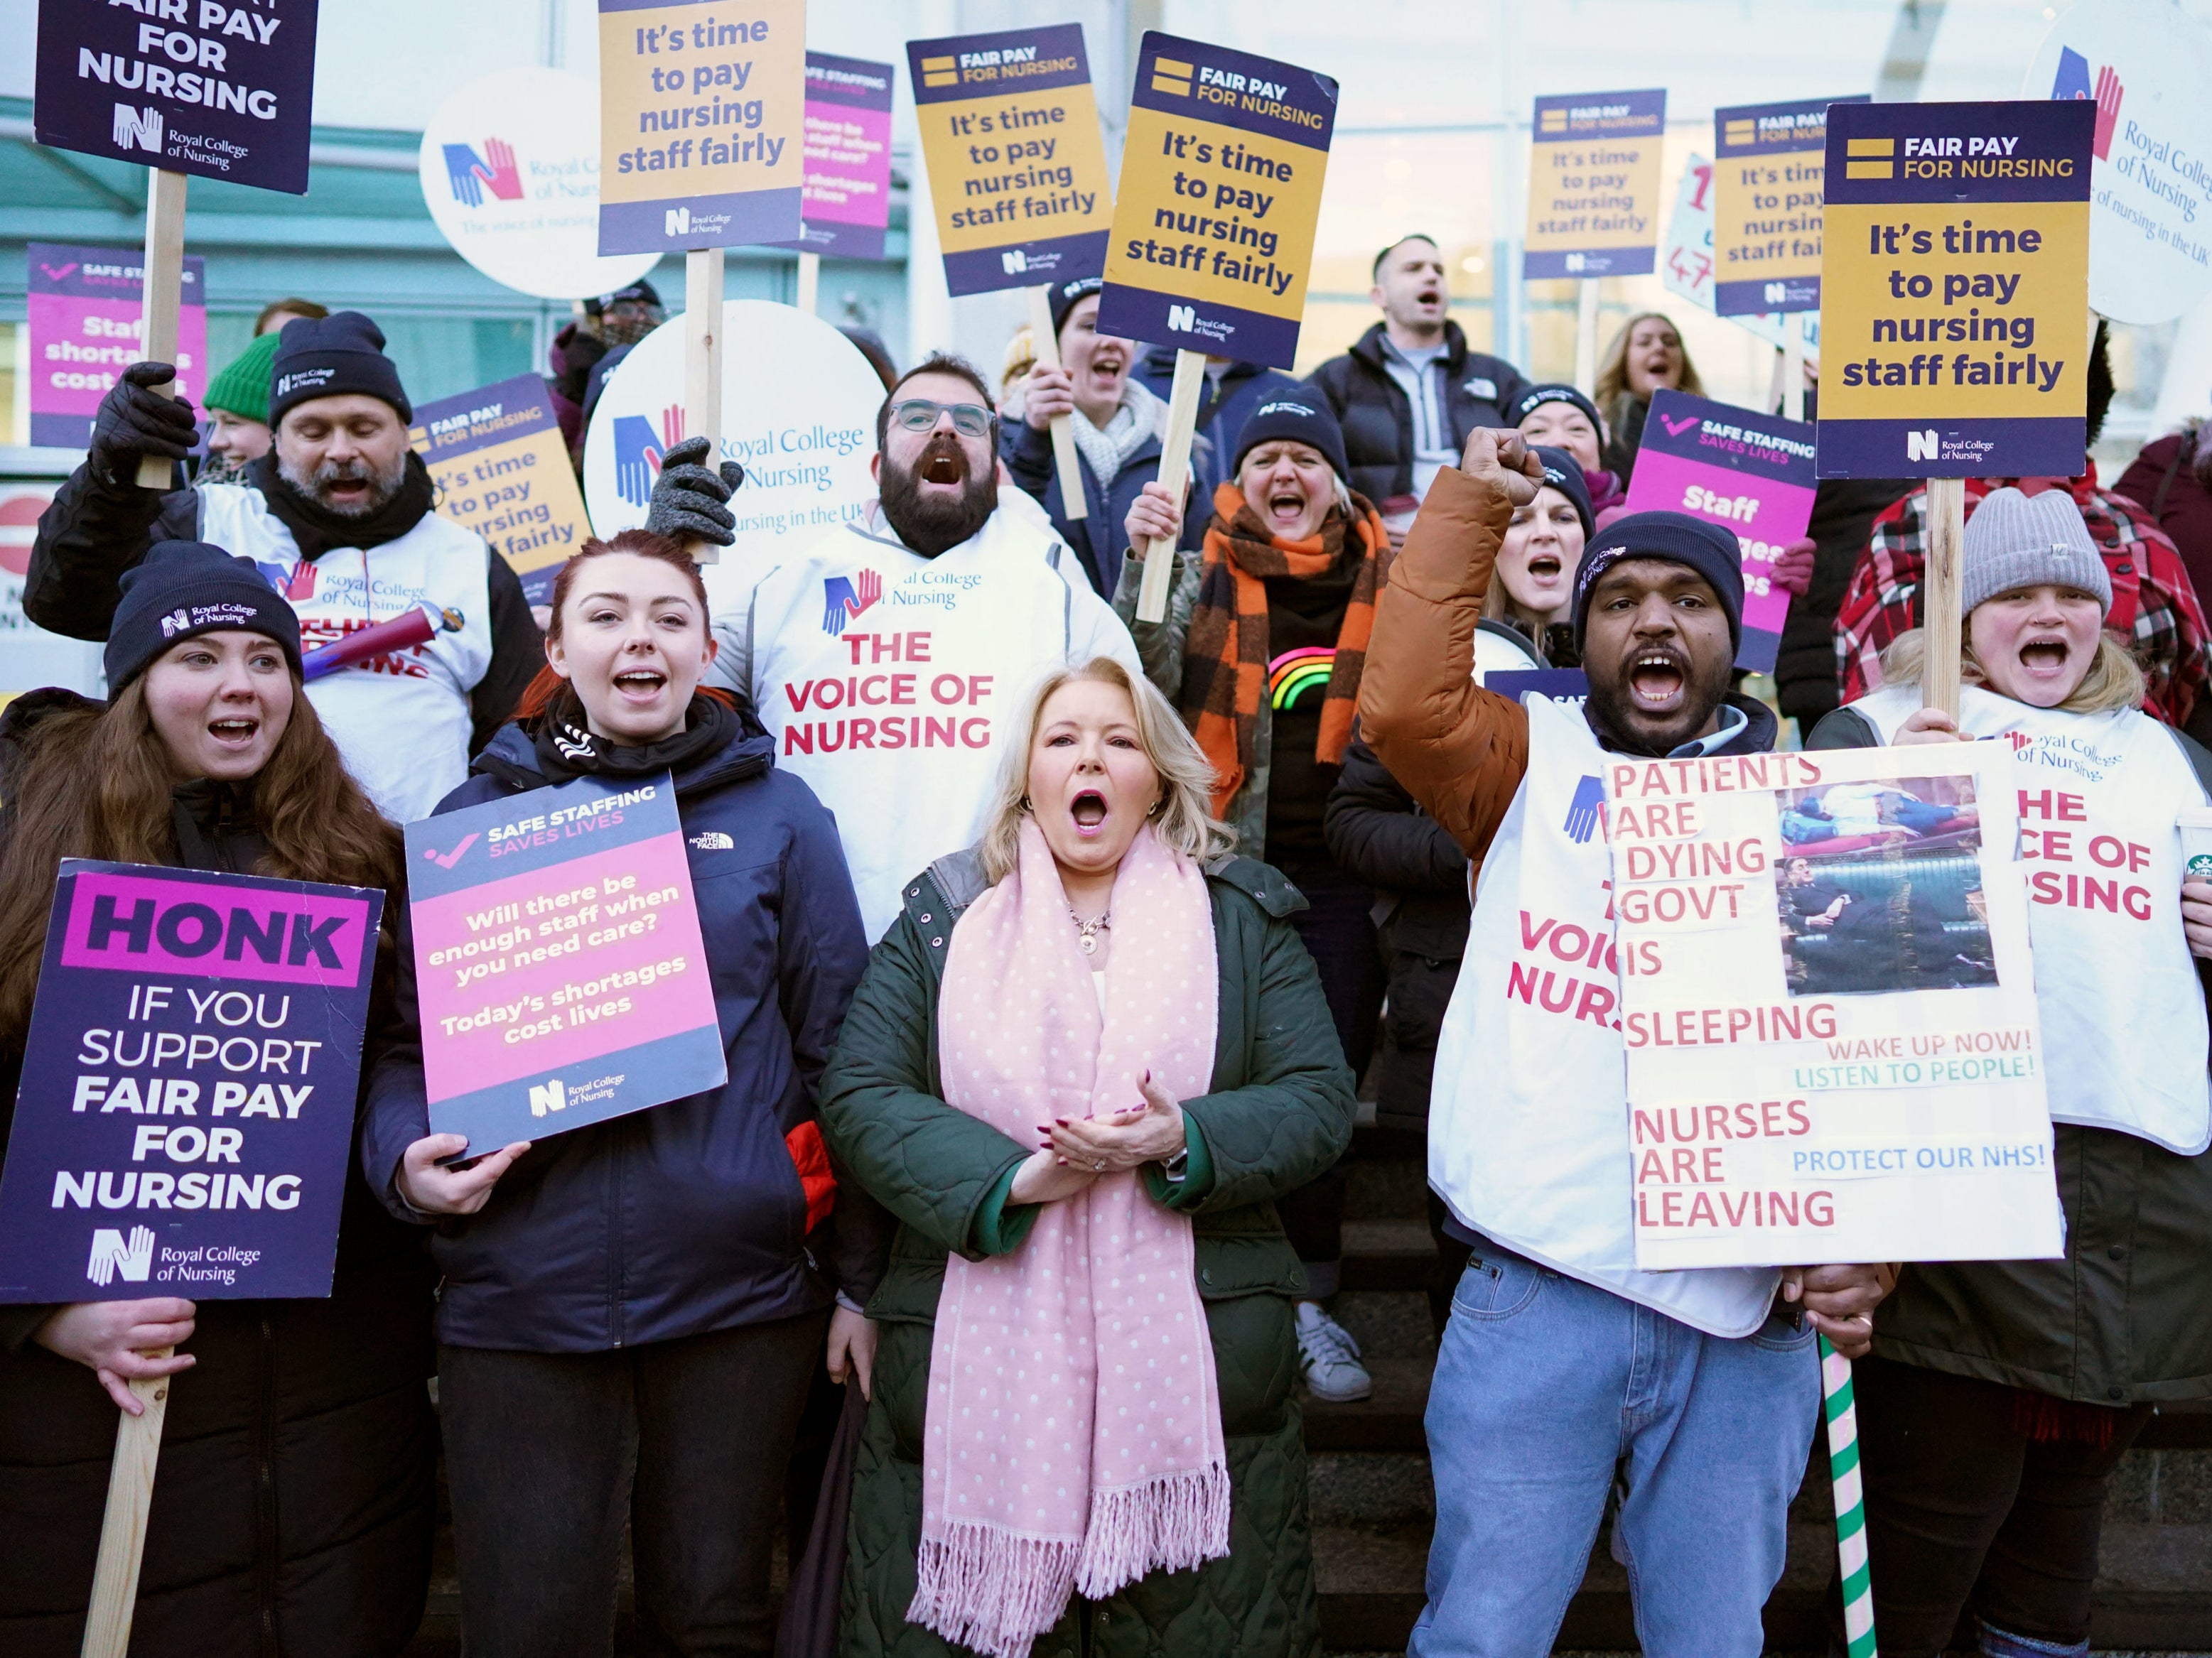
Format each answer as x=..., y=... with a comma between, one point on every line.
x=687, y=502
x=134, y=421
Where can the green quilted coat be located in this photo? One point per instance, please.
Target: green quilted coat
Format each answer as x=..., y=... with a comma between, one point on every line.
x=1279, y=1113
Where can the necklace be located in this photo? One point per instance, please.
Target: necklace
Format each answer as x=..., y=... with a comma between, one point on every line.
x=1087, y=931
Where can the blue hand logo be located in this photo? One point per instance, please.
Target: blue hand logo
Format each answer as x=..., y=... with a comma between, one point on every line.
x=463, y=171
x=1583, y=811
x=637, y=459
x=839, y=602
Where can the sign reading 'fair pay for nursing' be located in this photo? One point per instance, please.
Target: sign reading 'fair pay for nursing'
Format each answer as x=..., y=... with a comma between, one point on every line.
x=1016, y=172
x=497, y=458
x=1593, y=184
x=1213, y=225
x=1829, y=1009
x=186, y=1117
x=557, y=960
x=1766, y=206
x=1955, y=287
x=702, y=112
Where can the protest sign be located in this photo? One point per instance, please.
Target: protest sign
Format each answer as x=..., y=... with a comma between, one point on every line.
x=497, y=458
x=510, y=171
x=1593, y=184
x=846, y=196
x=86, y=309
x=807, y=434
x=1954, y=290
x=2145, y=67
x=186, y=1117
x=1686, y=262
x=1828, y=1007
x=557, y=959
x=701, y=112
x=1750, y=473
x=219, y=90
x=1766, y=206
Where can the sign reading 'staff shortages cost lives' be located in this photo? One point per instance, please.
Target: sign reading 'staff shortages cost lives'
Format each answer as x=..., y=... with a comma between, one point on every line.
x=497, y=458
x=1220, y=191
x=1954, y=290
x=1017, y=169
x=1766, y=206
x=702, y=110
x=1593, y=184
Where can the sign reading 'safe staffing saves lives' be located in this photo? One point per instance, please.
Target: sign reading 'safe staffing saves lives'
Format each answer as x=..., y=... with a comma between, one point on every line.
x=1593, y=184
x=1213, y=224
x=1955, y=290
x=557, y=959
x=496, y=456
x=702, y=110
x=186, y=1117
x=1767, y=163
x=1016, y=170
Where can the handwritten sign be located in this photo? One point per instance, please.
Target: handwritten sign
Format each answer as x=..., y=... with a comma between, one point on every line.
x=496, y=456
x=1593, y=184
x=1766, y=205
x=186, y=1117
x=87, y=327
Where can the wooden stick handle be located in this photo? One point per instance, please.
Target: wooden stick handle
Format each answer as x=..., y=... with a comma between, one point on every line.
x=702, y=366
x=1586, y=337
x=1045, y=343
x=810, y=282
x=1945, y=530
x=164, y=294
x=1793, y=366
x=123, y=1532
x=1175, y=473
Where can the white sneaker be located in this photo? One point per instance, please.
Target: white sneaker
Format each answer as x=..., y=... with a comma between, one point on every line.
x=1328, y=1358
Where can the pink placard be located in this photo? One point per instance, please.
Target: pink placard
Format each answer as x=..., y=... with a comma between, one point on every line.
x=1764, y=514
x=140, y=924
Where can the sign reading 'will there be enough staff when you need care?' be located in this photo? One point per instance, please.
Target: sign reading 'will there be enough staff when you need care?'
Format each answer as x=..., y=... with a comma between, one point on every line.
x=1213, y=226
x=1955, y=289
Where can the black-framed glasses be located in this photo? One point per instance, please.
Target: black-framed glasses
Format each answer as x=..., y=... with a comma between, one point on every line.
x=971, y=420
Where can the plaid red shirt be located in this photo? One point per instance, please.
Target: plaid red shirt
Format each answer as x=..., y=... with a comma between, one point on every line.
x=2154, y=609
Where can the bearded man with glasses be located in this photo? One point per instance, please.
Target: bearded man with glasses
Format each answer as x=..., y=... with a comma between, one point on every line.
x=886, y=659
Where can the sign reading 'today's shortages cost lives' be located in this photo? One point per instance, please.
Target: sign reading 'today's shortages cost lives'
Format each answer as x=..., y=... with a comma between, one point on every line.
x=1221, y=177
x=1593, y=184
x=1954, y=290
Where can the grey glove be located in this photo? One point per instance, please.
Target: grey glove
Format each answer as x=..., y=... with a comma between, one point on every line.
x=688, y=500
x=135, y=421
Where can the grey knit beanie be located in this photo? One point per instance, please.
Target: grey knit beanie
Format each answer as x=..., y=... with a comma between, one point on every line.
x=2015, y=540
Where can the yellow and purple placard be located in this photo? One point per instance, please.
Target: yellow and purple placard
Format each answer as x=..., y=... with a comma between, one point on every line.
x=701, y=113
x=1750, y=473
x=186, y=1117
x=85, y=307
x=1017, y=170
x=1955, y=290
x=1767, y=163
x=502, y=468
x=1213, y=220
x=1593, y=184
x=846, y=196
x=558, y=963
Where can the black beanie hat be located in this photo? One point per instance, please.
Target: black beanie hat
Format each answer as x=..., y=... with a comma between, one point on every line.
x=184, y=588
x=1712, y=551
x=1553, y=392
x=329, y=357
x=1066, y=295
x=1299, y=415
x=1563, y=472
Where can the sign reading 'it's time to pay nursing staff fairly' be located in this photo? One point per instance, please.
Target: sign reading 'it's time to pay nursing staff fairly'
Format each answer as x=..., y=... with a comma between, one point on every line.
x=1593, y=184
x=1017, y=170
x=701, y=123
x=1220, y=191
x=1768, y=159
x=1955, y=289
x=502, y=468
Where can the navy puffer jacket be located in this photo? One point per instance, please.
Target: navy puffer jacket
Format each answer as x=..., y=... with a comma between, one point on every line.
x=705, y=1213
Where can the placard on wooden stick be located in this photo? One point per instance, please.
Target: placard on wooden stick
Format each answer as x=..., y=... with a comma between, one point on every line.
x=1593, y=199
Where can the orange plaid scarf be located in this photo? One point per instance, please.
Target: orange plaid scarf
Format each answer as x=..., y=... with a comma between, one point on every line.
x=1225, y=675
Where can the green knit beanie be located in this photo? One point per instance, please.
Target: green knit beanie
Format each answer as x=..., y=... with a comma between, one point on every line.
x=243, y=386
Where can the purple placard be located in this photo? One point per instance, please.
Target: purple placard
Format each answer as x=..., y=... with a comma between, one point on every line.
x=84, y=307
x=1750, y=473
x=559, y=967
x=185, y=1116
x=220, y=91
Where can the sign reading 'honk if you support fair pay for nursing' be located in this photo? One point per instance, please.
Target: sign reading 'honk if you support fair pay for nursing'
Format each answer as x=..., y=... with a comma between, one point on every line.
x=1016, y=170
x=1954, y=289
x=1221, y=177
x=1593, y=184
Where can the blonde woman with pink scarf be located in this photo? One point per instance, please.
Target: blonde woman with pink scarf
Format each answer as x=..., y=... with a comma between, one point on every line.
x=1084, y=1062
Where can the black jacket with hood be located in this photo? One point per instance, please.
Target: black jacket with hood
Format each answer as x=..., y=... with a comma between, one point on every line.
x=1378, y=416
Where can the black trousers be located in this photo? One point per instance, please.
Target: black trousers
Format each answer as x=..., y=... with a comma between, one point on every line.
x=1965, y=1512
x=550, y=1455
x=1337, y=933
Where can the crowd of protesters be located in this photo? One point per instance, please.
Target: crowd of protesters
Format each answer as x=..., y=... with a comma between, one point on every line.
x=1043, y=1043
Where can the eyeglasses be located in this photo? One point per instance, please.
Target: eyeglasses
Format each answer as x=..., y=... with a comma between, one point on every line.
x=971, y=420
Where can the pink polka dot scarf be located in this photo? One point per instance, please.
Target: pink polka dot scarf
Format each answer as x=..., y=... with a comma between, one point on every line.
x=1074, y=1436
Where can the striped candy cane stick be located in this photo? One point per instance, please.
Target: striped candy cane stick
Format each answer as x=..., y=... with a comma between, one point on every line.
x=1851, y=1501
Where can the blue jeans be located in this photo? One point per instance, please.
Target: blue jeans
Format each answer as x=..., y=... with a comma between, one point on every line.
x=1547, y=1392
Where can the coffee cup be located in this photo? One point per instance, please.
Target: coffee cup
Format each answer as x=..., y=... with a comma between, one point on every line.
x=2195, y=823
